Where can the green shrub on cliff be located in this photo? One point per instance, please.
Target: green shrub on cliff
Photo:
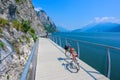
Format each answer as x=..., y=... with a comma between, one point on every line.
x=25, y=26
x=17, y=24
x=28, y=39
x=31, y=30
x=18, y=1
x=32, y=33
x=1, y=44
x=8, y=77
x=3, y=22
x=1, y=30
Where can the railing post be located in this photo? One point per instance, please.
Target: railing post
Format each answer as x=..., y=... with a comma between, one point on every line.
x=78, y=48
x=56, y=40
x=60, y=41
x=109, y=63
x=65, y=41
x=51, y=37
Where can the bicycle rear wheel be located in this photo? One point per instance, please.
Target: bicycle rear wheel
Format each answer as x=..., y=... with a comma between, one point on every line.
x=73, y=66
x=76, y=65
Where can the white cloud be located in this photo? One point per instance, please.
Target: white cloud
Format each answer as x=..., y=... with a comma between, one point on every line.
x=38, y=9
x=105, y=19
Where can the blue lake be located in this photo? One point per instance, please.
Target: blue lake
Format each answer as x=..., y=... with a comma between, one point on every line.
x=96, y=56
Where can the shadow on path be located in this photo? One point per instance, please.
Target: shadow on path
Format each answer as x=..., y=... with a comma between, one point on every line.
x=67, y=63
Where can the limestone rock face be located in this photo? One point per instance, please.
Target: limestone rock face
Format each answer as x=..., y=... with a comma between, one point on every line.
x=17, y=37
x=22, y=10
x=6, y=6
x=26, y=11
x=16, y=41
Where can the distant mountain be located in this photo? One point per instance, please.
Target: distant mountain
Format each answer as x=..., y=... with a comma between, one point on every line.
x=46, y=21
x=61, y=29
x=100, y=27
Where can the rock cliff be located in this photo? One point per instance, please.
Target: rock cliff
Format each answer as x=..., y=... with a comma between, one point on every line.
x=21, y=10
x=19, y=28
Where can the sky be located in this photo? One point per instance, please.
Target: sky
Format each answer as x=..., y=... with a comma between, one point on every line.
x=74, y=14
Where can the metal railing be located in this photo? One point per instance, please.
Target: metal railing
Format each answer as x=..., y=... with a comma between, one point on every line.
x=29, y=72
x=57, y=39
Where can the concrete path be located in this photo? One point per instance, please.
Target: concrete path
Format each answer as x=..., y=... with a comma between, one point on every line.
x=52, y=65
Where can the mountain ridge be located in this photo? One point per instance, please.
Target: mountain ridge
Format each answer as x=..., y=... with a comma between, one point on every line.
x=46, y=21
x=100, y=27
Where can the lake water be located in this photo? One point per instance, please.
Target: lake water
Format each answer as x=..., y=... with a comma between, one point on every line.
x=95, y=56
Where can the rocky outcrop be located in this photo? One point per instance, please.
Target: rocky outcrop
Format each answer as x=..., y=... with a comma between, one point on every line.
x=25, y=10
x=19, y=44
x=21, y=10
x=46, y=21
x=19, y=27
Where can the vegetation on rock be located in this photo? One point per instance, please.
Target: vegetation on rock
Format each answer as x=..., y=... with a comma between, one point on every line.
x=3, y=22
x=1, y=44
x=28, y=39
x=0, y=30
x=17, y=24
x=8, y=77
x=32, y=33
x=18, y=1
x=25, y=26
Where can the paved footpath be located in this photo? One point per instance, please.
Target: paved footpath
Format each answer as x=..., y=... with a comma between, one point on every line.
x=51, y=65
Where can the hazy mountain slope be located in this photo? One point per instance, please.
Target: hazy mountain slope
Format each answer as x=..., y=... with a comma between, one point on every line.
x=61, y=29
x=100, y=27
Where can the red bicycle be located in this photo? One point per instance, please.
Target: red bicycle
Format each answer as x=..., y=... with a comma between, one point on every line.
x=74, y=64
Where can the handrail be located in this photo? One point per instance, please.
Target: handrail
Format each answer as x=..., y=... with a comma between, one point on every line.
x=91, y=43
x=27, y=66
x=86, y=42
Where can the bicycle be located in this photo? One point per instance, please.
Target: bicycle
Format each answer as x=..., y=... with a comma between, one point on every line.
x=74, y=64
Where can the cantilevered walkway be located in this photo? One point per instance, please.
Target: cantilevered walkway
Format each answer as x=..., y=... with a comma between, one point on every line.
x=52, y=65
